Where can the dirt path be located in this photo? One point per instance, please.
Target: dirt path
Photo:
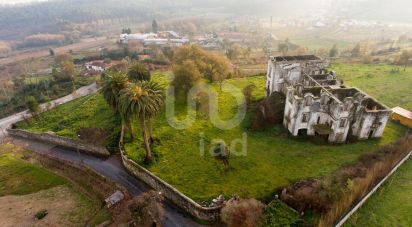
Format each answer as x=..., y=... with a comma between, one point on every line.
x=64, y=207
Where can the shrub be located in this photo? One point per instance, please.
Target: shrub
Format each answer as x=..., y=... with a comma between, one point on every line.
x=279, y=214
x=242, y=213
x=267, y=112
x=41, y=214
x=147, y=209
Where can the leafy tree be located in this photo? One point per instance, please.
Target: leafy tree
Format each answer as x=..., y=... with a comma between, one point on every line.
x=334, y=51
x=248, y=93
x=186, y=76
x=126, y=31
x=66, y=66
x=32, y=105
x=142, y=101
x=216, y=68
x=139, y=72
x=233, y=52
x=404, y=59
x=212, y=67
x=155, y=26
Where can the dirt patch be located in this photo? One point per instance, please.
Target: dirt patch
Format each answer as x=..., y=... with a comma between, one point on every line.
x=93, y=135
x=64, y=208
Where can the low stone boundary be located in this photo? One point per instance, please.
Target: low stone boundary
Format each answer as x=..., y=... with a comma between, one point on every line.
x=83, y=175
x=61, y=141
x=178, y=198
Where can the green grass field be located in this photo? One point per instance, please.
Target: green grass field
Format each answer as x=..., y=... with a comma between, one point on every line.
x=391, y=205
x=20, y=176
x=66, y=120
x=393, y=89
x=273, y=158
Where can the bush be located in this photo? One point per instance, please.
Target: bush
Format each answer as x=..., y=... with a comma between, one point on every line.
x=147, y=209
x=267, y=112
x=41, y=214
x=279, y=214
x=242, y=213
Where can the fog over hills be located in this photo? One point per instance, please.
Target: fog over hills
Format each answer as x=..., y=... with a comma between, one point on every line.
x=37, y=17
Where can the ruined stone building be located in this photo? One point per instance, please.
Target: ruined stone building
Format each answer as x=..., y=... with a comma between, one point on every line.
x=317, y=103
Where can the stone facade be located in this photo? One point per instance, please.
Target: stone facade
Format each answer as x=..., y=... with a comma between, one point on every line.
x=317, y=103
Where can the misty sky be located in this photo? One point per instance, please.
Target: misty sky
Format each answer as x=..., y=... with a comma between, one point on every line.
x=381, y=10
x=18, y=1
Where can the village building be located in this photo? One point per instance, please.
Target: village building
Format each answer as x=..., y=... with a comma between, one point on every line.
x=162, y=39
x=403, y=116
x=317, y=102
x=97, y=67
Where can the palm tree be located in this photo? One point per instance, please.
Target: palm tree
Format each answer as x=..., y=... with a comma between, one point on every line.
x=113, y=83
x=157, y=93
x=139, y=72
x=142, y=101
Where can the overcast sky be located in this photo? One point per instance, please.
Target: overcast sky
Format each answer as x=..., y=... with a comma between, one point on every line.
x=18, y=1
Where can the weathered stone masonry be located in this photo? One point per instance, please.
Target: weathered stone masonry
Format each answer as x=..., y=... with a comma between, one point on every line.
x=317, y=103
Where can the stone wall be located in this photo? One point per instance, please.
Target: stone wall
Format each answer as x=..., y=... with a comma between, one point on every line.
x=61, y=141
x=100, y=185
x=178, y=198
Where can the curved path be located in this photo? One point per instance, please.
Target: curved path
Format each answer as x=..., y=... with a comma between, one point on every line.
x=111, y=168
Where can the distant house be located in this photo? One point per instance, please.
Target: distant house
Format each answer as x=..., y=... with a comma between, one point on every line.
x=97, y=67
x=403, y=116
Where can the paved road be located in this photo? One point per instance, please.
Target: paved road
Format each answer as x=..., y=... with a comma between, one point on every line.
x=8, y=121
x=112, y=168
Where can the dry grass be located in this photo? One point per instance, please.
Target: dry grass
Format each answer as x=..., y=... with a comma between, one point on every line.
x=331, y=197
